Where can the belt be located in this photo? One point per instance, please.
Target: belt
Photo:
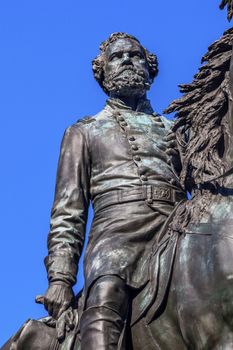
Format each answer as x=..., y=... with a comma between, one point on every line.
x=148, y=193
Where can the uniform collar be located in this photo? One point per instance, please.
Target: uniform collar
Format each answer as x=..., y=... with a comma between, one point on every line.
x=143, y=106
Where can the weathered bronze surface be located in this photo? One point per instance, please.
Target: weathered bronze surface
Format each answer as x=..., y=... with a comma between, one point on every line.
x=158, y=268
x=117, y=159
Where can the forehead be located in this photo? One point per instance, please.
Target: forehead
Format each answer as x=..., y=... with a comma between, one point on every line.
x=124, y=45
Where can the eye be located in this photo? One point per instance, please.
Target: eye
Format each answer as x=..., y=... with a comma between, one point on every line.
x=115, y=56
x=137, y=54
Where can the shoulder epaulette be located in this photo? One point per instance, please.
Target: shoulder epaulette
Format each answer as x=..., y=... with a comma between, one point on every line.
x=86, y=120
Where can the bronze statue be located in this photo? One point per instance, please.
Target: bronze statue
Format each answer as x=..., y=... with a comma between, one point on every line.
x=117, y=159
x=158, y=268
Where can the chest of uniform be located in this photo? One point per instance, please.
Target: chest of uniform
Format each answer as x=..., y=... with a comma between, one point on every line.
x=143, y=128
x=125, y=136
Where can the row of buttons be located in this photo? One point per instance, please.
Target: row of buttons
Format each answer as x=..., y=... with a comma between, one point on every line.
x=137, y=158
x=131, y=138
x=122, y=121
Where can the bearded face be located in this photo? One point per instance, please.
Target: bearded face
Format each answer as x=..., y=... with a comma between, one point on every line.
x=126, y=71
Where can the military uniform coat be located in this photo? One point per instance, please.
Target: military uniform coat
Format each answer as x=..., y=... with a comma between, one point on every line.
x=117, y=160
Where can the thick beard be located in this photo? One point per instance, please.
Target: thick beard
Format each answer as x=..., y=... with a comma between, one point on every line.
x=127, y=82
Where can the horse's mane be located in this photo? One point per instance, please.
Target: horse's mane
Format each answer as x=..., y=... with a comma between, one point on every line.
x=201, y=115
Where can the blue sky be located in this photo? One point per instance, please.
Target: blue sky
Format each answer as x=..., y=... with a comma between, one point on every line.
x=47, y=84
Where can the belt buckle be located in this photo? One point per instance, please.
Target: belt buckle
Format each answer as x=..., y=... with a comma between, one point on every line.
x=162, y=193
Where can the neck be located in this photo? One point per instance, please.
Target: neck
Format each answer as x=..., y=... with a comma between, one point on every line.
x=131, y=101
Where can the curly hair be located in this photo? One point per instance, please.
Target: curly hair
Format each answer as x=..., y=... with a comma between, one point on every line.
x=99, y=61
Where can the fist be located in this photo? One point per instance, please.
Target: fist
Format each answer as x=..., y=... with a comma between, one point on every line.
x=58, y=298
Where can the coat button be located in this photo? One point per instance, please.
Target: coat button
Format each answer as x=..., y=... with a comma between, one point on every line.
x=157, y=118
x=142, y=170
x=121, y=119
x=135, y=148
x=124, y=124
x=144, y=178
x=137, y=158
x=161, y=125
x=132, y=138
x=149, y=201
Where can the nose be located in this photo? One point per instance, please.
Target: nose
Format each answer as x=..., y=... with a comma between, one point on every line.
x=126, y=58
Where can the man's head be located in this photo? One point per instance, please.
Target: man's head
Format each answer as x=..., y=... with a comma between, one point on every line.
x=124, y=67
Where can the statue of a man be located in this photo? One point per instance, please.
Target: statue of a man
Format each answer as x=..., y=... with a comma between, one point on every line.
x=116, y=159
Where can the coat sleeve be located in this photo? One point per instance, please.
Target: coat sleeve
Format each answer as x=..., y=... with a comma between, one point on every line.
x=70, y=208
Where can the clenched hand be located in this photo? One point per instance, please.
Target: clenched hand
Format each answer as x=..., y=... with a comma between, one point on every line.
x=58, y=298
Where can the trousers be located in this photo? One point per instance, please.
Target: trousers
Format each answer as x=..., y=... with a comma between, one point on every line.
x=104, y=317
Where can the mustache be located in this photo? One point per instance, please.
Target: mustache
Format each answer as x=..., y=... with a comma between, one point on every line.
x=127, y=68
